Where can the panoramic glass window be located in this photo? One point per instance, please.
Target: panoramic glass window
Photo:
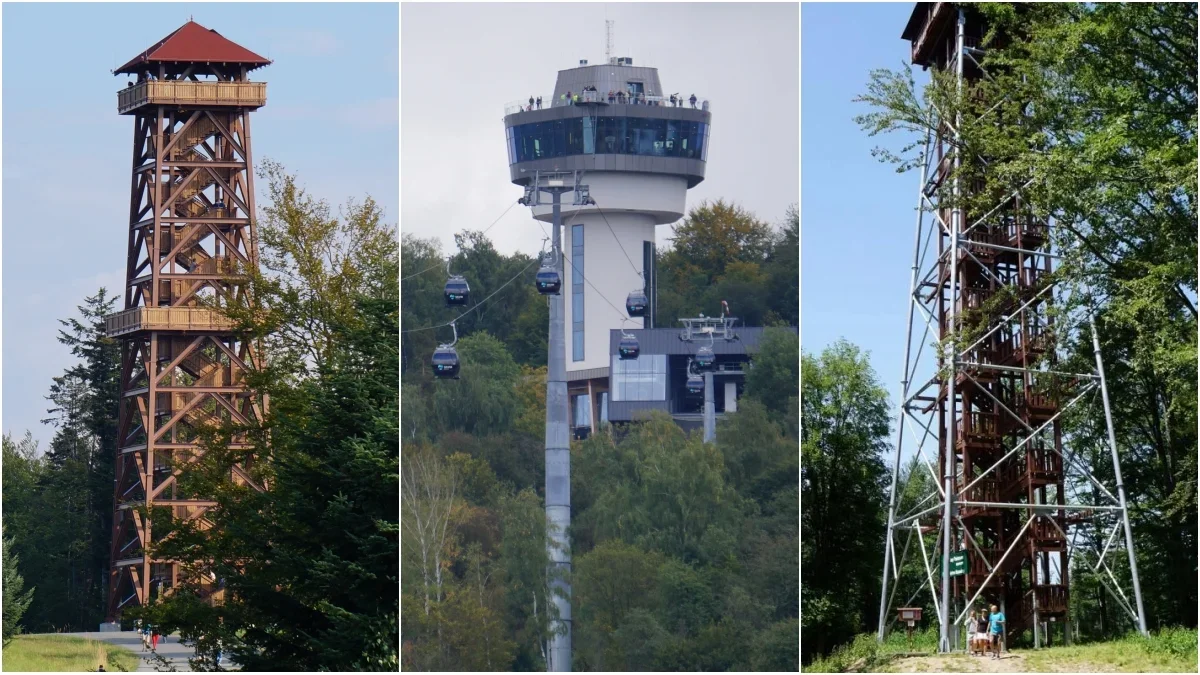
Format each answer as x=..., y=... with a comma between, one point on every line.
x=608, y=135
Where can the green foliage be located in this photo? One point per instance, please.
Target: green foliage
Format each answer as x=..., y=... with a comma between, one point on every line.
x=843, y=432
x=722, y=252
x=58, y=507
x=685, y=554
x=310, y=567
x=773, y=379
x=16, y=598
x=481, y=400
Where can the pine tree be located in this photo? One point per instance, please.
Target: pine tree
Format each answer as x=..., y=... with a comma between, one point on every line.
x=16, y=599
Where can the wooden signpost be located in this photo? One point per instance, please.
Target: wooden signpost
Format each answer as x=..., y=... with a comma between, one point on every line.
x=910, y=616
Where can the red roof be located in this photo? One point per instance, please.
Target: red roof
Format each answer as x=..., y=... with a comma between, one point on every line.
x=193, y=43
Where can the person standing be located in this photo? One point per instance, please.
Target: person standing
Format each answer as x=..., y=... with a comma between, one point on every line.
x=996, y=620
x=531, y=103
x=539, y=103
x=972, y=624
x=693, y=100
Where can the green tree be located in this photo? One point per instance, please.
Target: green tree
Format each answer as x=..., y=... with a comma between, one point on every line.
x=773, y=377
x=310, y=567
x=610, y=581
x=16, y=598
x=481, y=401
x=843, y=431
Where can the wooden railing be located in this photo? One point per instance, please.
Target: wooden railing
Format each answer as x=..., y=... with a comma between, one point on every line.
x=171, y=92
x=166, y=318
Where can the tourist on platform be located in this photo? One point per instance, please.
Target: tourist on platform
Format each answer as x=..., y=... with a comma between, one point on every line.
x=539, y=103
x=693, y=100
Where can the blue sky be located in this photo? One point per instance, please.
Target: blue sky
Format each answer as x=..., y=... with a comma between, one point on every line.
x=856, y=214
x=332, y=117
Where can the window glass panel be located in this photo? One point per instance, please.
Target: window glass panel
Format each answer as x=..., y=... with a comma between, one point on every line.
x=660, y=137
x=672, y=148
x=589, y=136
x=576, y=308
x=577, y=345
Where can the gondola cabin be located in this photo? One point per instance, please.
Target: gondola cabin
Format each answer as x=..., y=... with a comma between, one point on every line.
x=636, y=304
x=445, y=363
x=548, y=281
x=629, y=348
x=457, y=291
x=695, y=386
x=705, y=359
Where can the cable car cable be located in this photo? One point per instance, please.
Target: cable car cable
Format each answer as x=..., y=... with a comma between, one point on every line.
x=417, y=274
x=476, y=305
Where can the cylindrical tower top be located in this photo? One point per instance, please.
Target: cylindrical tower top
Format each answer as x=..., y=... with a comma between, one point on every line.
x=612, y=117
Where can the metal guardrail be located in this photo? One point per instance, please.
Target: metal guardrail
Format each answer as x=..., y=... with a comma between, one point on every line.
x=601, y=98
x=171, y=92
x=166, y=318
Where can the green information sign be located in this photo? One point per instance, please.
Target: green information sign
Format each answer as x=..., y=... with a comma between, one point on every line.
x=958, y=564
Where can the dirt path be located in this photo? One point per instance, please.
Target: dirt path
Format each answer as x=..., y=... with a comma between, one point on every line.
x=1009, y=662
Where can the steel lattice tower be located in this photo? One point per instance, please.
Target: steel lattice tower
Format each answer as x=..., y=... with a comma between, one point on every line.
x=995, y=399
x=190, y=230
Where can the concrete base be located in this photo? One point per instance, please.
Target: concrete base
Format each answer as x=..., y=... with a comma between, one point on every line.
x=114, y=627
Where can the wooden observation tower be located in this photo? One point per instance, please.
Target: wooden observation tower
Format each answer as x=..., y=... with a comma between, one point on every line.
x=983, y=284
x=190, y=231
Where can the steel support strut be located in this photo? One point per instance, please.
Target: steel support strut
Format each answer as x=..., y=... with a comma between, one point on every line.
x=888, y=553
x=1116, y=459
x=948, y=470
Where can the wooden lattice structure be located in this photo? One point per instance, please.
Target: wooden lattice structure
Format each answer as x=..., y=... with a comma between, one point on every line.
x=191, y=234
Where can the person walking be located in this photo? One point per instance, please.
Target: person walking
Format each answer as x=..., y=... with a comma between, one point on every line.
x=996, y=621
x=154, y=639
x=972, y=624
x=693, y=100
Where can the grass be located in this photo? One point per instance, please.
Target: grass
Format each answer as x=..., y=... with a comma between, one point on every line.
x=58, y=653
x=1171, y=650
x=865, y=654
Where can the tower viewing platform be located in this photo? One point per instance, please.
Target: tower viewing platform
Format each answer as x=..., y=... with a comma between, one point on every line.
x=167, y=73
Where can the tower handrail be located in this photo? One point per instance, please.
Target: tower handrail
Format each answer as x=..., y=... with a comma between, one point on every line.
x=601, y=98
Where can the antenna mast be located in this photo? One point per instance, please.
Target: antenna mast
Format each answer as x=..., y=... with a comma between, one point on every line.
x=608, y=26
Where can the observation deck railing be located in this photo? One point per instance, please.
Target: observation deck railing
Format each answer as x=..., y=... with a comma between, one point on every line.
x=601, y=98
x=188, y=319
x=183, y=92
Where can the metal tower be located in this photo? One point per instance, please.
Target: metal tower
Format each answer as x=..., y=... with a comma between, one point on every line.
x=558, y=430
x=994, y=402
x=190, y=228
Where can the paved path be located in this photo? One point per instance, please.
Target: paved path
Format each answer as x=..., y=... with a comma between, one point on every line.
x=168, y=647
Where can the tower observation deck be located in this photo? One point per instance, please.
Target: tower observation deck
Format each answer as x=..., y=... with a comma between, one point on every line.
x=190, y=233
x=640, y=155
